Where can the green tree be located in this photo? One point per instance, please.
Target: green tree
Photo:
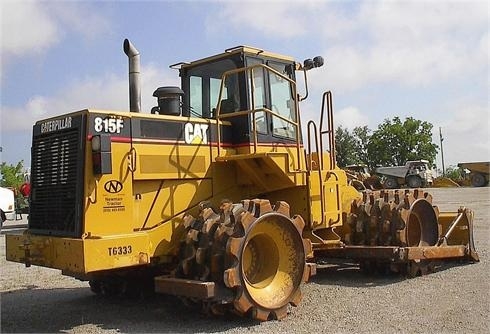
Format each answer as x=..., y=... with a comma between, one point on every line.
x=362, y=136
x=345, y=147
x=351, y=147
x=12, y=175
x=395, y=142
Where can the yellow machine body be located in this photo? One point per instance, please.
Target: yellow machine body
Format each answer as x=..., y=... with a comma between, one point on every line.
x=133, y=215
x=114, y=193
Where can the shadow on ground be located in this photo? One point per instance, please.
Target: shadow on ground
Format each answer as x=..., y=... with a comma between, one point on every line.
x=34, y=310
x=350, y=275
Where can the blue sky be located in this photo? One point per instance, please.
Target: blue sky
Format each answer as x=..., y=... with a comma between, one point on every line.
x=425, y=59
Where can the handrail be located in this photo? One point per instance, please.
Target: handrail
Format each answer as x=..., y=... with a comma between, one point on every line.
x=253, y=111
x=331, y=141
x=327, y=96
x=339, y=208
x=331, y=131
x=246, y=112
x=312, y=124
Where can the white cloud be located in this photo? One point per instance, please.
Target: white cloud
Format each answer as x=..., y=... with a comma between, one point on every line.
x=273, y=18
x=29, y=27
x=408, y=21
x=403, y=42
x=37, y=106
x=466, y=135
x=81, y=18
x=411, y=43
x=107, y=92
x=26, y=27
x=350, y=118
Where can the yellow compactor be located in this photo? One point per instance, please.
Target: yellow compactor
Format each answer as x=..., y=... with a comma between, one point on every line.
x=213, y=196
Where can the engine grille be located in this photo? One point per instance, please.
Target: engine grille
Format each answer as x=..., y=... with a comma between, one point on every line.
x=56, y=183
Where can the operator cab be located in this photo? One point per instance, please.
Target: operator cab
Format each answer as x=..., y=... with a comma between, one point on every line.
x=250, y=88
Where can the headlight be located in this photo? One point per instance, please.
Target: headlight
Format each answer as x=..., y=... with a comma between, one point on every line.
x=96, y=144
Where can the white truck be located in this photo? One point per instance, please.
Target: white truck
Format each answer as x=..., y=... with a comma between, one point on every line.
x=414, y=174
x=7, y=204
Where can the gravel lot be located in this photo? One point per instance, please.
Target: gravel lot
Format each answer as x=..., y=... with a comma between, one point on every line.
x=454, y=299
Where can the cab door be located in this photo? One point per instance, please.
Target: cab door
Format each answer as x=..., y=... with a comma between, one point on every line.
x=273, y=92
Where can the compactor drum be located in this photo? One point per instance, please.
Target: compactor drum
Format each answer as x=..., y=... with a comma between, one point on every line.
x=406, y=221
x=252, y=252
x=213, y=197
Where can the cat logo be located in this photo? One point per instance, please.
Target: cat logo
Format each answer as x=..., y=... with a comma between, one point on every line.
x=113, y=186
x=196, y=133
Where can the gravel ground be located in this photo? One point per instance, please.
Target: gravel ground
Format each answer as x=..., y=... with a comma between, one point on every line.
x=454, y=299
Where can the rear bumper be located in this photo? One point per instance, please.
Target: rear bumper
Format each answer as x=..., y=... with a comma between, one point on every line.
x=77, y=257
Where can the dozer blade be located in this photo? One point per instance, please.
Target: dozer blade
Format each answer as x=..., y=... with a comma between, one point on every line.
x=457, y=228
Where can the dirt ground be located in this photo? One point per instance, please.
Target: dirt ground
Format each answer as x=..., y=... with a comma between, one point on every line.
x=453, y=299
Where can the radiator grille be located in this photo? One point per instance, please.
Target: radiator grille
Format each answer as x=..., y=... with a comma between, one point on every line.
x=56, y=173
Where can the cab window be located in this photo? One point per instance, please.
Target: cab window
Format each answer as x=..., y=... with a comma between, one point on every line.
x=204, y=85
x=257, y=78
x=282, y=102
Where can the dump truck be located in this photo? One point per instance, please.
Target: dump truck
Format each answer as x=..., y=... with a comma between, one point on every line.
x=213, y=195
x=414, y=174
x=479, y=172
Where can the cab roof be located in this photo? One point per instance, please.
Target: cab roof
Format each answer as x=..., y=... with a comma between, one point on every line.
x=235, y=50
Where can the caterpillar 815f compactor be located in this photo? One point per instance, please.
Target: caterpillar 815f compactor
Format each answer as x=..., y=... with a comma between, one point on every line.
x=213, y=196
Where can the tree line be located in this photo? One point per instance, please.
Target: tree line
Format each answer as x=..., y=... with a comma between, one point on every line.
x=393, y=143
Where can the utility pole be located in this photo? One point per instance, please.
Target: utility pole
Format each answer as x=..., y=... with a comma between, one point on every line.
x=442, y=152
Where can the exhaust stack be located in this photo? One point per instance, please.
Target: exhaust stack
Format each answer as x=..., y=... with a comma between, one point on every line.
x=134, y=76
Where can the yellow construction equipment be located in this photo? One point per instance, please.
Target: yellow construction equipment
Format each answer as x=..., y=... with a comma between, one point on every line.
x=479, y=172
x=212, y=195
x=444, y=182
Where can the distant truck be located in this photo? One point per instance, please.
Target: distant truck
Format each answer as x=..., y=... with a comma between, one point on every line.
x=479, y=172
x=7, y=204
x=414, y=174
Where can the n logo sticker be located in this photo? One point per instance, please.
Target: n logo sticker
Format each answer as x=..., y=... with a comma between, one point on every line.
x=113, y=186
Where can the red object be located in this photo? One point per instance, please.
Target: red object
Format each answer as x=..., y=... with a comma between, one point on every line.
x=25, y=189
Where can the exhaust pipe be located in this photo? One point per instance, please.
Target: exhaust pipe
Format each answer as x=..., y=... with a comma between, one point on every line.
x=134, y=76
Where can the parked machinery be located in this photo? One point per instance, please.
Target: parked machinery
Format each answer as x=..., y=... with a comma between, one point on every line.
x=213, y=197
x=479, y=172
x=414, y=174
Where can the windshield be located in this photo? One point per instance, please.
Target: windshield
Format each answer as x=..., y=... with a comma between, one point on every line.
x=204, y=86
